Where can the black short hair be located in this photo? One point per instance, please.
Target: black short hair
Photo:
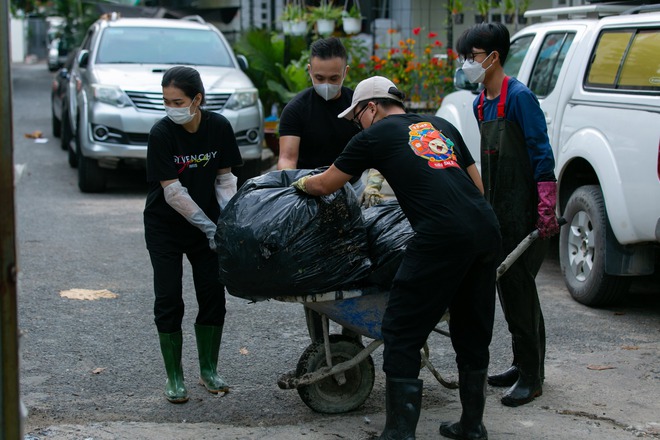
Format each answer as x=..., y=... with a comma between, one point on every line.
x=186, y=79
x=327, y=48
x=486, y=36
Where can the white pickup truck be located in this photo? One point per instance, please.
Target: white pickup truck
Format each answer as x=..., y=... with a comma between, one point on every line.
x=598, y=82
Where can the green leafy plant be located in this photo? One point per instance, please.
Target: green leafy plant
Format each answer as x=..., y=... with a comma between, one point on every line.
x=352, y=12
x=268, y=55
x=293, y=12
x=523, y=5
x=509, y=6
x=483, y=7
x=456, y=6
x=325, y=11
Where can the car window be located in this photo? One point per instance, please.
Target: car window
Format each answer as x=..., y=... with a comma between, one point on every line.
x=549, y=61
x=626, y=59
x=517, y=52
x=162, y=46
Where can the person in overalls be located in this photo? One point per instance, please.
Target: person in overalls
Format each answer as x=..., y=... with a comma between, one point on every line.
x=517, y=166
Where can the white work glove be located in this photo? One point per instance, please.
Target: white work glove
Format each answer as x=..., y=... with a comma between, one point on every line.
x=225, y=188
x=371, y=195
x=176, y=195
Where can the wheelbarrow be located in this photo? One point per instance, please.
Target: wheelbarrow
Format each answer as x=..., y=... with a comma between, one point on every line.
x=336, y=374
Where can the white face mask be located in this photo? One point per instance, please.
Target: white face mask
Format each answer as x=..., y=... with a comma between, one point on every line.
x=475, y=72
x=327, y=91
x=180, y=115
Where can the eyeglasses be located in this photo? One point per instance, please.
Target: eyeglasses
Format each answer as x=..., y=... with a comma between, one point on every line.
x=356, y=118
x=470, y=57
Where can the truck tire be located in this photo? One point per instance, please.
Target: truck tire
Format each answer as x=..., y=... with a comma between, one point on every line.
x=582, y=247
x=91, y=177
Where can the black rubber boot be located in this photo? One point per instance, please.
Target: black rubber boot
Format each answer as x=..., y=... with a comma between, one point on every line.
x=472, y=390
x=504, y=379
x=527, y=388
x=170, y=346
x=403, y=402
x=208, y=348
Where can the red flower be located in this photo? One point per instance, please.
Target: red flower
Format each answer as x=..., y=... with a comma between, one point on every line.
x=432, y=35
x=438, y=43
x=417, y=30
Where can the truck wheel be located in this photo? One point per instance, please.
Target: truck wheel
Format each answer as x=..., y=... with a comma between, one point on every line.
x=327, y=396
x=582, y=244
x=91, y=177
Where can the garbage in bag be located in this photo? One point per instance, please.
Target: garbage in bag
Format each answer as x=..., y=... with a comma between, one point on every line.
x=272, y=240
x=388, y=233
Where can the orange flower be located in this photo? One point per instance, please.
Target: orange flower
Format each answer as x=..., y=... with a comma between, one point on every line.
x=391, y=31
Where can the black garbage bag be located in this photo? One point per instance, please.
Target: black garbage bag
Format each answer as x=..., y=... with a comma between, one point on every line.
x=388, y=233
x=274, y=241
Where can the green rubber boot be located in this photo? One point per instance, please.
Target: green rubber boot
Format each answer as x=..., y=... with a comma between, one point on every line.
x=170, y=347
x=208, y=348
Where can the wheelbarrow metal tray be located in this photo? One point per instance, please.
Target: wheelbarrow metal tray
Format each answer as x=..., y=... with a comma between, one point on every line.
x=359, y=310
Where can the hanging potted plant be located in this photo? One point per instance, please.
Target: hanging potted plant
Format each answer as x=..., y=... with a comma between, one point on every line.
x=294, y=21
x=351, y=19
x=483, y=7
x=325, y=14
x=457, y=10
x=509, y=9
x=523, y=5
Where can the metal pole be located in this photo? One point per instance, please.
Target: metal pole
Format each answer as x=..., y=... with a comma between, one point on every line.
x=10, y=420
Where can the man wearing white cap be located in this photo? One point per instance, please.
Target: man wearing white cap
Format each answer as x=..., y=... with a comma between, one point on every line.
x=449, y=263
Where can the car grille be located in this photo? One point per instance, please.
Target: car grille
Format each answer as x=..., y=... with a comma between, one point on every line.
x=154, y=101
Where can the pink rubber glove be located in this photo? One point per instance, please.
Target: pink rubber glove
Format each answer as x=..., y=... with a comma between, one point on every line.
x=547, y=221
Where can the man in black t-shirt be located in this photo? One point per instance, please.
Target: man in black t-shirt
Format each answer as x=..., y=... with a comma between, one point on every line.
x=311, y=136
x=449, y=263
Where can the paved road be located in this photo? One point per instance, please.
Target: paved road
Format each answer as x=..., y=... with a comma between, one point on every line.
x=92, y=369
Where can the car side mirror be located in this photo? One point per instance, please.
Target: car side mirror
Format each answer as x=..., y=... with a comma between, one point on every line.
x=83, y=58
x=242, y=62
x=461, y=82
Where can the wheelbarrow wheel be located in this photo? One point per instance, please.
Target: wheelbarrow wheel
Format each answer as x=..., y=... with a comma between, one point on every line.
x=327, y=395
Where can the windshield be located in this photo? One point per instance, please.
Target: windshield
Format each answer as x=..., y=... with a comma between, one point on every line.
x=134, y=45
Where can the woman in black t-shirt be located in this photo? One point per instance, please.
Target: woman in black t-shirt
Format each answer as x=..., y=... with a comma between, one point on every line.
x=189, y=158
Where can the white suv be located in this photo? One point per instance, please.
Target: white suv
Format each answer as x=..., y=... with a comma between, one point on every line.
x=115, y=97
x=598, y=82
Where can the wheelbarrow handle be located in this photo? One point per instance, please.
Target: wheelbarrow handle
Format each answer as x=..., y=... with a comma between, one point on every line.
x=522, y=247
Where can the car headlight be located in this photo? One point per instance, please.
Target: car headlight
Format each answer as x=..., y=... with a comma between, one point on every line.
x=112, y=95
x=242, y=99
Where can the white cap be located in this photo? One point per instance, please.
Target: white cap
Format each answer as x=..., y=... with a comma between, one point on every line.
x=374, y=87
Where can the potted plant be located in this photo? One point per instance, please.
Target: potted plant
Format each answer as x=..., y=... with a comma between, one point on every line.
x=483, y=7
x=325, y=15
x=523, y=5
x=293, y=19
x=509, y=9
x=456, y=7
x=351, y=18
